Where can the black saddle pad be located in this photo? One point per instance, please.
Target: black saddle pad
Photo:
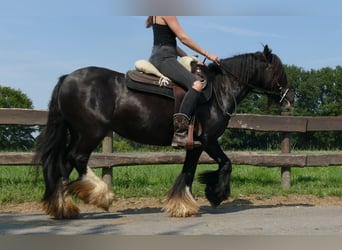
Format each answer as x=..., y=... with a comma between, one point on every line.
x=152, y=84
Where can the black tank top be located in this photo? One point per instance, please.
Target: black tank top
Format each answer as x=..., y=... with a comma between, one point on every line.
x=163, y=35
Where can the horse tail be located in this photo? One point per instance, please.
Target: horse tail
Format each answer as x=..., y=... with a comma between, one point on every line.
x=52, y=144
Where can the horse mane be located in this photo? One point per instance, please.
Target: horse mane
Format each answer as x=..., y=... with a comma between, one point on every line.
x=236, y=68
x=231, y=71
x=241, y=66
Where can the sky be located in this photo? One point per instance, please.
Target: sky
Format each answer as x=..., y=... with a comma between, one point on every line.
x=41, y=40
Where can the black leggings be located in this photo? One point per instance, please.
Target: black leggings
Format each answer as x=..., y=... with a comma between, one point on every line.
x=164, y=58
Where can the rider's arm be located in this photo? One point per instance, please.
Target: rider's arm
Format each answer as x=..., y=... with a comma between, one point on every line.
x=174, y=25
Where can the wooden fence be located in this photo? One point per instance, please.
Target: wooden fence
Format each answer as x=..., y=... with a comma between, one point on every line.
x=284, y=159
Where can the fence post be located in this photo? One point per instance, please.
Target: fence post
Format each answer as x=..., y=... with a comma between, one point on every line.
x=286, y=148
x=107, y=147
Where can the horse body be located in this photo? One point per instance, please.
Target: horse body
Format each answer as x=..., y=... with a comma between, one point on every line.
x=107, y=104
x=90, y=102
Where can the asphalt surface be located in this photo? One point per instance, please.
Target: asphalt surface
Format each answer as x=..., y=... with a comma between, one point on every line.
x=262, y=220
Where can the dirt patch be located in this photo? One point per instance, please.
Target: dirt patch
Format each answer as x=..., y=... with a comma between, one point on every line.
x=132, y=204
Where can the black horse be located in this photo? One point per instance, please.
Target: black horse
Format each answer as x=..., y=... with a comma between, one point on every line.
x=92, y=101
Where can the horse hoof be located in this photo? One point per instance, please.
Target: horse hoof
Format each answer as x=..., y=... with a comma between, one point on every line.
x=180, y=210
x=58, y=209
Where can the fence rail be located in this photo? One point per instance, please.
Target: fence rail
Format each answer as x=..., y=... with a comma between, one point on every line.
x=285, y=159
x=108, y=160
x=243, y=121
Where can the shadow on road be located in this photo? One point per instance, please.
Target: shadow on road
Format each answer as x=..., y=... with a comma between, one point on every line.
x=144, y=210
x=238, y=205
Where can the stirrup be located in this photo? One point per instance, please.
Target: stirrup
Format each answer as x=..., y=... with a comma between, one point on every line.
x=190, y=143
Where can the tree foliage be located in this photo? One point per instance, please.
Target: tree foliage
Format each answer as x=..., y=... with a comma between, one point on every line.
x=15, y=137
x=319, y=93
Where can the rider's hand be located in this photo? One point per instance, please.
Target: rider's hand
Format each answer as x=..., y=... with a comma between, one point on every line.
x=213, y=58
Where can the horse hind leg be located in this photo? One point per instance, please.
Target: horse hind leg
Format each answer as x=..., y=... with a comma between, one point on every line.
x=60, y=204
x=89, y=187
x=92, y=190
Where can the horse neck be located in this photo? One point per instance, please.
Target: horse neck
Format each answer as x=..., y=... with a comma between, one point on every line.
x=244, y=69
x=232, y=83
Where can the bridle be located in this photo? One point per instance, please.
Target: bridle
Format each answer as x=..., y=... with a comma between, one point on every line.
x=282, y=92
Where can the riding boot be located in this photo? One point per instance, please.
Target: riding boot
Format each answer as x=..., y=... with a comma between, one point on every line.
x=181, y=121
x=181, y=137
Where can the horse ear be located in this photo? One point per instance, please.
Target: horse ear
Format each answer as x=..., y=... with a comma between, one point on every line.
x=267, y=53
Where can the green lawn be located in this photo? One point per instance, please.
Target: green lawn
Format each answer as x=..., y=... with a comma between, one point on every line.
x=19, y=184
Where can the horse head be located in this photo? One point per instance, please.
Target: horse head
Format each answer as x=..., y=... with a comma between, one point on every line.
x=261, y=72
x=274, y=80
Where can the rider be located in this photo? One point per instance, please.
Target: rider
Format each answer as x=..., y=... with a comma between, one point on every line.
x=164, y=57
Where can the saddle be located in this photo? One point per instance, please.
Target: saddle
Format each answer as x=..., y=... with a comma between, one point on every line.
x=146, y=78
x=140, y=81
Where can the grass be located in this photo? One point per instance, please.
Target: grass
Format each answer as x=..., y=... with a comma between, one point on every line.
x=19, y=184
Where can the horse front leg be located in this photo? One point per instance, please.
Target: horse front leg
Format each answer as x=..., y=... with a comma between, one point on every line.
x=217, y=182
x=180, y=201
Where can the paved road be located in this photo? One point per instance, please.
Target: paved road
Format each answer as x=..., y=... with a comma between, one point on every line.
x=262, y=220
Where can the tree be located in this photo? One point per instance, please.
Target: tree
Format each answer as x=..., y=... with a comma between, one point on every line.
x=15, y=137
x=318, y=93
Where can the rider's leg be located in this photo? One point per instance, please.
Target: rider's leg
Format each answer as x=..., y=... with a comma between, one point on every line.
x=182, y=119
x=166, y=62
